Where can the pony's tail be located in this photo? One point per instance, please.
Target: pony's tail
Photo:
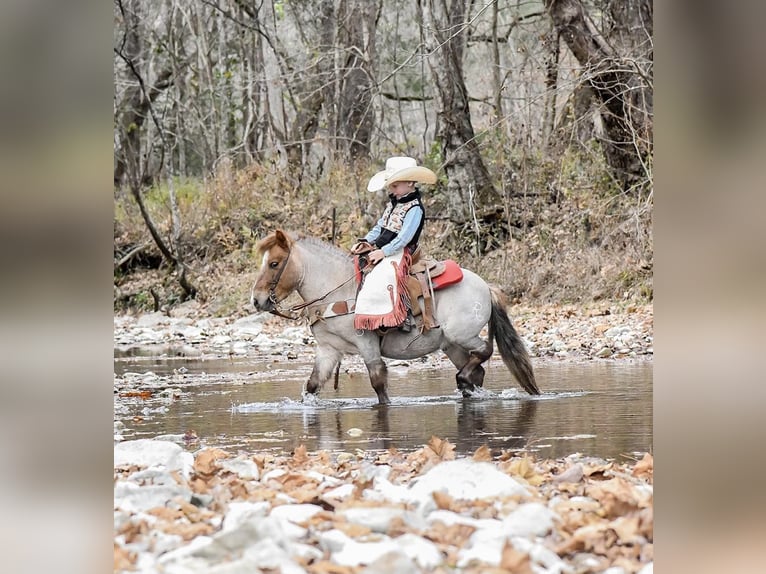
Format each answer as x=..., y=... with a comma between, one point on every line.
x=510, y=345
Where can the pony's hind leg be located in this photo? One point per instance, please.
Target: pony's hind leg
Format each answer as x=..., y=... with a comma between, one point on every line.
x=325, y=366
x=470, y=372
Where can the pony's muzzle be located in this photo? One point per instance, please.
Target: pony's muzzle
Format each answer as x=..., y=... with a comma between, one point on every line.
x=261, y=301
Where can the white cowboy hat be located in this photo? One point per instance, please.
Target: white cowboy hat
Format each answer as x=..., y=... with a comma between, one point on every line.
x=400, y=169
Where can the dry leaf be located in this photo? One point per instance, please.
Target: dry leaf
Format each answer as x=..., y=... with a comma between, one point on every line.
x=166, y=513
x=483, y=454
x=189, y=531
x=139, y=394
x=123, y=560
x=327, y=567
x=443, y=500
x=300, y=456
x=524, y=468
x=205, y=463
x=442, y=449
x=645, y=467
x=452, y=535
x=351, y=529
x=514, y=561
x=626, y=529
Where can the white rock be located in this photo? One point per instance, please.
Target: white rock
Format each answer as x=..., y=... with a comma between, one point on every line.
x=250, y=325
x=274, y=473
x=153, y=320
x=423, y=551
x=153, y=453
x=349, y=552
x=322, y=479
x=154, y=476
x=542, y=556
x=133, y=498
x=295, y=512
x=531, y=519
x=186, y=551
x=240, y=512
x=467, y=480
x=392, y=562
x=245, y=468
x=235, y=540
x=376, y=519
x=340, y=492
x=448, y=518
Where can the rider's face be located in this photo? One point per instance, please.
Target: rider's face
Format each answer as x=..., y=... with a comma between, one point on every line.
x=401, y=188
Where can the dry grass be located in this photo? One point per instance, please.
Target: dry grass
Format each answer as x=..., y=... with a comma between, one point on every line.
x=565, y=237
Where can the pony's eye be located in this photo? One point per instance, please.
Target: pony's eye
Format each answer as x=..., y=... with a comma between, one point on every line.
x=274, y=264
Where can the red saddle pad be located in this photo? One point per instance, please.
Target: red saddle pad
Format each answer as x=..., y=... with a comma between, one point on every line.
x=452, y=274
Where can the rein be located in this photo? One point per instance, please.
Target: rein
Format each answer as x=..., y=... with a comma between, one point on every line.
x=279, y=312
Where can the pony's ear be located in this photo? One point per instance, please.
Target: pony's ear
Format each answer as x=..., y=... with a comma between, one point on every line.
x=283, y=240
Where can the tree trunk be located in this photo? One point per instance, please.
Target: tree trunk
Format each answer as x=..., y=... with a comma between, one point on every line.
x=356, y=36
x=469, y=182
x=622, y=86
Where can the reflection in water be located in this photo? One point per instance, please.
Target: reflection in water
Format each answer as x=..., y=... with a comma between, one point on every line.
x=598, y=408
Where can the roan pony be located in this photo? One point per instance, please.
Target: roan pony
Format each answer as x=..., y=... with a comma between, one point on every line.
x=323, y=276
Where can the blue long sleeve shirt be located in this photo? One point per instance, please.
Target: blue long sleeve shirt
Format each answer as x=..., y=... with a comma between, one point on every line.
x=409, y=228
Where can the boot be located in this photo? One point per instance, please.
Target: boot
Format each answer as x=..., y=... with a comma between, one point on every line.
x=409, y=322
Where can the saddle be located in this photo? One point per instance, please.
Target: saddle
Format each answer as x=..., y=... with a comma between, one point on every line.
x=425, y=277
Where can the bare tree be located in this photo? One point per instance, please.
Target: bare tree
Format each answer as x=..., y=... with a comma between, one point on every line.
x=620, y=78
x=469, y=182
x=356, y=37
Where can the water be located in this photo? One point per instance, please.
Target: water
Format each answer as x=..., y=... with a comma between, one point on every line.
x=600, y=408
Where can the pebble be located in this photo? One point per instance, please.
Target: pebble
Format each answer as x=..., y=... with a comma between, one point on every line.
x=561, y=331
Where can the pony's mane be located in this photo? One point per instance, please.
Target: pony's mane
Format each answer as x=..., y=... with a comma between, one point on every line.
x=329, y=248
x=311, y=242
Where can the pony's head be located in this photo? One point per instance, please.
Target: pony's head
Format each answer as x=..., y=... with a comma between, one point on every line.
x=279, y=273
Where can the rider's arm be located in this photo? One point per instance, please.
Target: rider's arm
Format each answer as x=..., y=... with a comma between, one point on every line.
x=374, y=233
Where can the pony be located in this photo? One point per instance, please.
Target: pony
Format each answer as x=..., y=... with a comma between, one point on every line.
x=324, y=277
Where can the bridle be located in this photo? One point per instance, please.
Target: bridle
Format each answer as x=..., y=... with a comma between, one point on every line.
x=280, y=312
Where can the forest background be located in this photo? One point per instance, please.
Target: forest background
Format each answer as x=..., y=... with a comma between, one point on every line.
x=235, y=117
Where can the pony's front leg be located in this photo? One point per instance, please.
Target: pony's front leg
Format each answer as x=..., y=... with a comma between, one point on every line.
x=379, y=379
x=369, y=349
x=325, y=364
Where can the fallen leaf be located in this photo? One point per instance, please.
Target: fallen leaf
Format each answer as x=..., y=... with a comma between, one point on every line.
x=123, y=559
x=166, y=513
x=452, y=535
x=327, y=567
x=137, y=394
x=515, y=561
x=524, y=468
x=205, y=463
x=189, y=531
x=483, y=454
x=644, y=468
x=300, y=456
x=442, y=449
x=443, y=500
x=351, y=529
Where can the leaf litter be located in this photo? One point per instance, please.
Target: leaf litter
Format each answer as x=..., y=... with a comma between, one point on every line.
x=577, y=514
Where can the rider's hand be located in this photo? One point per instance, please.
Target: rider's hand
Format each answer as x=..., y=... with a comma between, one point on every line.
x=359, y=247
x=376, y=256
